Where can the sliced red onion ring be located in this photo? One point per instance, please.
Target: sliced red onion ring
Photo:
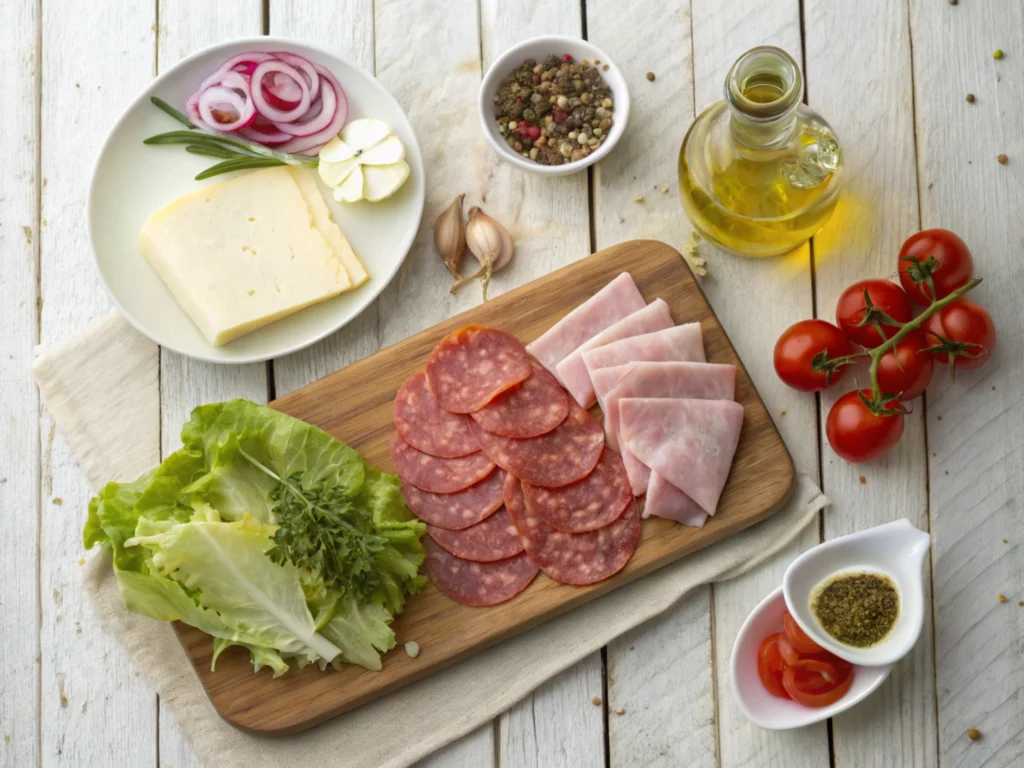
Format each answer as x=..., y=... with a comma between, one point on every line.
x=259, y=97
x=219, y=102
x=192, y=109
x=318, y=139
x=263, y=132
x=329, y=97
x=244, y=63
x=303, y=65
x=282, y=92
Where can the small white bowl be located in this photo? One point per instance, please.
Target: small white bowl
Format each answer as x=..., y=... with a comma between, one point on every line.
x=771, y=712
x=538, y=48
x=896, y=550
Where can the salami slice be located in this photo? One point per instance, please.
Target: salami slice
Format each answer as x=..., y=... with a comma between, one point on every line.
x=588, y=504
x=434, y=474
x=459, y=510
x=427, y=426
x=473, y=365
x=533, y=408
x=477, y=584
x=562, y=456
x=573, y=558
x=496, y=538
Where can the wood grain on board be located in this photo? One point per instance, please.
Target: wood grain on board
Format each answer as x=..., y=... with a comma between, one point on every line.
x=354, y=404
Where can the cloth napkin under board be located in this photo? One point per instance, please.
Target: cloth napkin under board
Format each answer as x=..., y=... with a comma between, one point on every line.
x=111, y=369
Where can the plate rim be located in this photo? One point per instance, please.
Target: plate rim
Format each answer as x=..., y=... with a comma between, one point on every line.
x=105, y=146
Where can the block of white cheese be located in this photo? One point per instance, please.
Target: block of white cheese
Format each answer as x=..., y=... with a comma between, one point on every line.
x=306, y=182
x=246, y=252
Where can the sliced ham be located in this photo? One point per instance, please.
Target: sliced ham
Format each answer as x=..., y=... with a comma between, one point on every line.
x=573, y=372
x=615, y=301
x=690, y=443
x=605, y=379
x=638, y=473
x=683, y=343
x=665, y=500
x=701, y=381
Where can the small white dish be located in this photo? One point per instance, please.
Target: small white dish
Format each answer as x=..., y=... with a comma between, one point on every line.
x=896, y=550
x=539, y=48
x=131, y=180
x=771, y=712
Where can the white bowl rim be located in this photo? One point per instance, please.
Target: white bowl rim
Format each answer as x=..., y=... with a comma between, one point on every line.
x=618, y=127
x=382, y=283
x=824, y=713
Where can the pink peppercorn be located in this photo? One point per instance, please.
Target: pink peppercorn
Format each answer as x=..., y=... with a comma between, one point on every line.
x=534, y=131
x=559, y=115
x=566, y=57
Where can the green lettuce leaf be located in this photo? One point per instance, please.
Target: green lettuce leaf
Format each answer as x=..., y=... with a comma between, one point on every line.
x=266, y=533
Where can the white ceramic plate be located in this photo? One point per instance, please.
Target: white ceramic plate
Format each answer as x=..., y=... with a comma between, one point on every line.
x=132, y=180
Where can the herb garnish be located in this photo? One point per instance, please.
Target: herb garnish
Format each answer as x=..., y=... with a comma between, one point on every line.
x=237, y=155
x=325, y=531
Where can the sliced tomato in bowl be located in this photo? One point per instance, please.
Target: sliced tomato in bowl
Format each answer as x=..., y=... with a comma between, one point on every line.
x=770, y=666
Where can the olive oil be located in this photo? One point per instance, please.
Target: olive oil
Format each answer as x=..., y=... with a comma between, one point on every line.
x=759, y=172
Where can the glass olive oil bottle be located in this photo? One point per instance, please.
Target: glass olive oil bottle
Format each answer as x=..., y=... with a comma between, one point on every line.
x=759, y=172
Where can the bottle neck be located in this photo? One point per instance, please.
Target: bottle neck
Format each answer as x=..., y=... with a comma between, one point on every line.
x=763, y=90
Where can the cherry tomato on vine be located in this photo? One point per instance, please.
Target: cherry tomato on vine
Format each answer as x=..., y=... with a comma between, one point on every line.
x=937, y=254
x=885, y=297
x=856, y=433
x=799, y=358
x=969, y=326
x=907, y=368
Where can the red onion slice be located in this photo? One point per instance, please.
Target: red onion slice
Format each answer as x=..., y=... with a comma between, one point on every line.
x=244, y=63
x=305, y=67
x=224, y=110
x=264, y=107
x=317, y=123
x=318, y=139
x=263, y=132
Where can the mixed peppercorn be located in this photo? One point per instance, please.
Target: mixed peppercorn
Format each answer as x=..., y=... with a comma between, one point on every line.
x=554, y=112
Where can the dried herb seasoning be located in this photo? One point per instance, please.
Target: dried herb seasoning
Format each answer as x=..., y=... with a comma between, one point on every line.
x=857, y=609
x=556, y=111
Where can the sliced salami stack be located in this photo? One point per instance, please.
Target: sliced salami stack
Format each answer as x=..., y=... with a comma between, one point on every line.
x=510, y=474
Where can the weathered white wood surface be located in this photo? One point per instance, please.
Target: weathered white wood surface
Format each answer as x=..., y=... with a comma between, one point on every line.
x=874, y=117
x=19, y=415
x=917, y=155
x=976, y=465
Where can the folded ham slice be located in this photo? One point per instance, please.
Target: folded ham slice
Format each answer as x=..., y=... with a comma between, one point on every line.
x=683, y=343
x=701, y=381
x=690, y=443
x=573, y=372
x=665, y=500
x=615, y=301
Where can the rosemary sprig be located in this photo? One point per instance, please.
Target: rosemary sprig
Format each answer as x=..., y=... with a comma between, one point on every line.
x=237, y=155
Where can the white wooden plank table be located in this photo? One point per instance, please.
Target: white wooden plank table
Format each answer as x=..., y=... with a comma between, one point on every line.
x=891, y=76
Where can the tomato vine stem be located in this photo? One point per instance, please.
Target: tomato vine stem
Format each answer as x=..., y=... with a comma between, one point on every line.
x=908, y=327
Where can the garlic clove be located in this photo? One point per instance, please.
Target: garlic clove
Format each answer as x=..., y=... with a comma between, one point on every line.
x=490, y=243
x=380, y=181
x=351, y=189
x=450, y=236
x=386, y=152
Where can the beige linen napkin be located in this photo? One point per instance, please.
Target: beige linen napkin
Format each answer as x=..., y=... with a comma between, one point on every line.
x=103, y=391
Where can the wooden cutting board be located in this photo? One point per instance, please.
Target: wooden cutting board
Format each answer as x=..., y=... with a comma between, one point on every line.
x=354, y=405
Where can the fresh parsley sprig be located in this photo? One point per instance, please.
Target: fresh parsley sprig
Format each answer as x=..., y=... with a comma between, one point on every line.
x=236, y=154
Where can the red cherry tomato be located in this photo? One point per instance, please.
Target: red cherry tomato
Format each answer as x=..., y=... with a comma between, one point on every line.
x=790, y=655
x=770, y=666
x=799, y=639
x=907, y=368
x=942, y=256
x=804, y=691
x=798, y=351
x=885, y=297
x=857, y=434
x=968, y=324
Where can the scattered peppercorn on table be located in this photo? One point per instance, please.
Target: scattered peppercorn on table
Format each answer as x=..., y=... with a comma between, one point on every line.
x=926, y=143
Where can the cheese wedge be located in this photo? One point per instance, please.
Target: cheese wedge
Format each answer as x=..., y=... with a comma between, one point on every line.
x=244, y=253
x=325, y=223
